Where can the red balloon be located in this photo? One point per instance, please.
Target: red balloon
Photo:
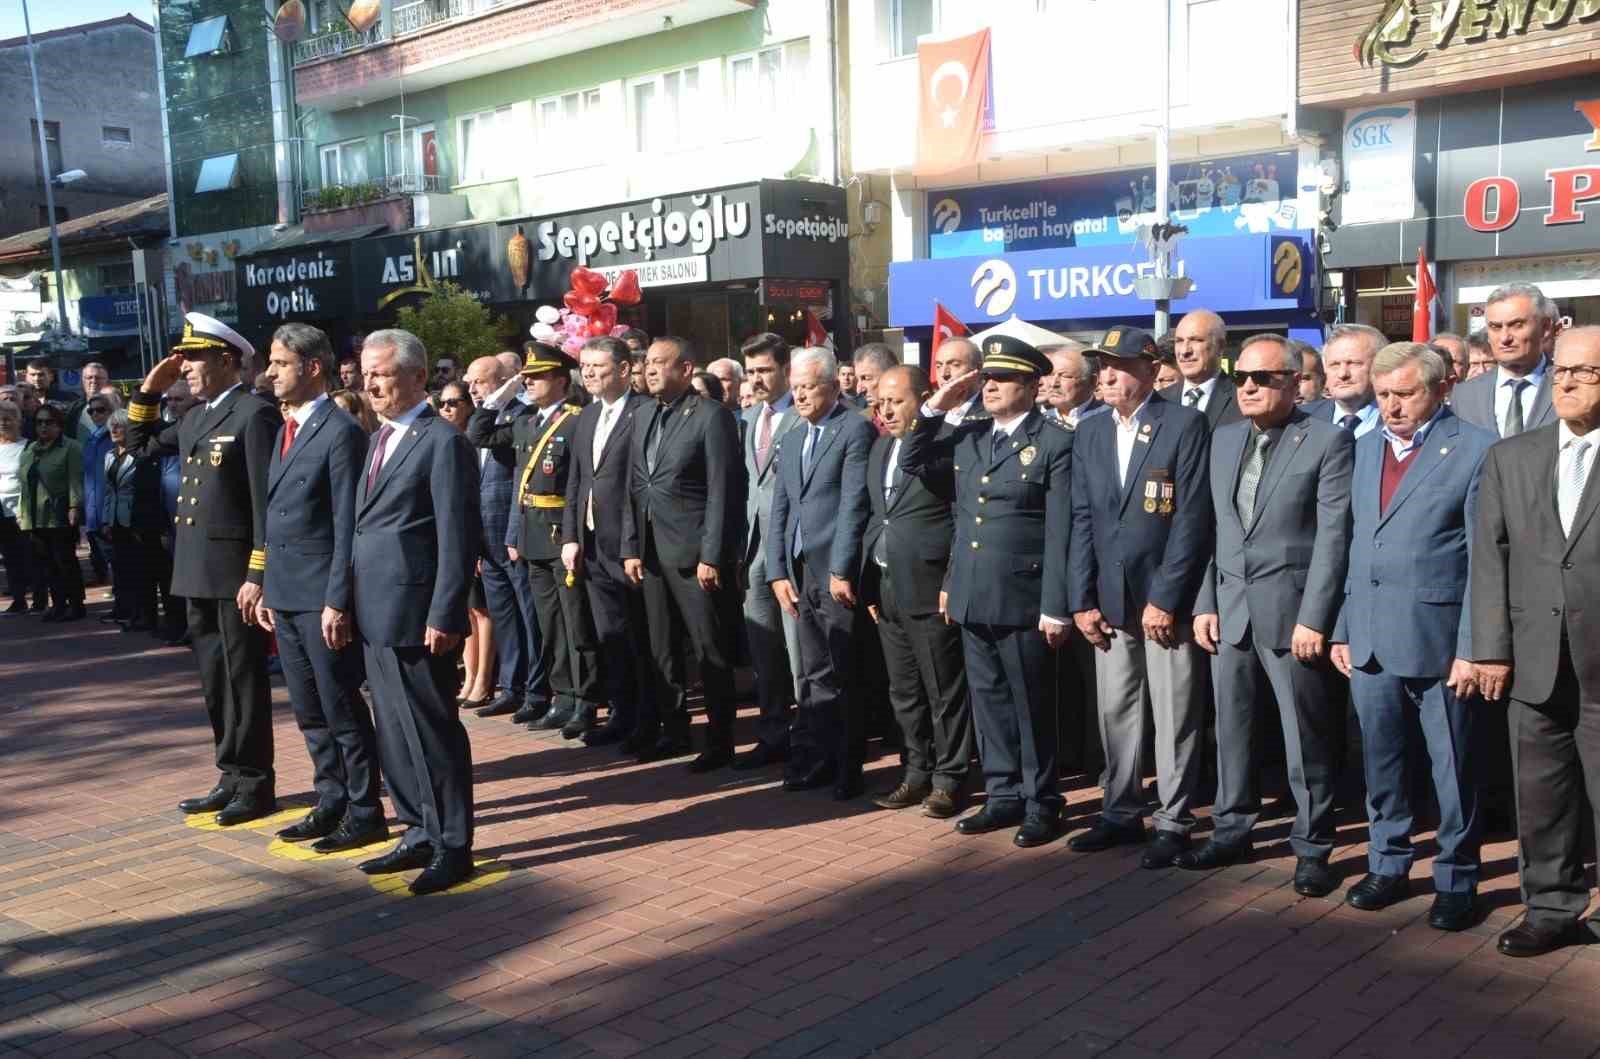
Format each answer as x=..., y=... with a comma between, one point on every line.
x=598, y=329
x=580, y=302
x=626, y=290
x=588, y=281
x=605, y=313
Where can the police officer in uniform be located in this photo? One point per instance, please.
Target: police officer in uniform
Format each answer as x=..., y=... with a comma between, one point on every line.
x=219, y=551
x=543, y=439
x=1007, y=582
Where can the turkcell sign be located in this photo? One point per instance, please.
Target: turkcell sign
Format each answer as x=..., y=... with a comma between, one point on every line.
x=1097, y=282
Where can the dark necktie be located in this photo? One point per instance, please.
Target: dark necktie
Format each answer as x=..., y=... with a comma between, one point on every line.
x=1191, y=396
x=1350, y=422
x=1513, y=424
x=1250, y=480
x=657, y=426
x=377, y=455
x=290, y=429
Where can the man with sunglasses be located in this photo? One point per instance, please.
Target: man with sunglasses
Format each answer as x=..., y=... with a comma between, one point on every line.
x=1280, y=493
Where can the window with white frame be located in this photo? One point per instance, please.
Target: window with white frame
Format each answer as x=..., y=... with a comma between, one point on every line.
x=487, y=140
x=766, y=85
x=117, y=278
x=565, y=115
x=411, y=161
x=908, y=20
x=665, y=109
x=344, y=164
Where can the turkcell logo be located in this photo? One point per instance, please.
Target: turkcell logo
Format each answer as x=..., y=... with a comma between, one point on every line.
x=947, y=215
x=1374, y=129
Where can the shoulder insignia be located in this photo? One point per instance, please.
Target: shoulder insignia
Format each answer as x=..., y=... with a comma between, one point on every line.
x=1058, y=424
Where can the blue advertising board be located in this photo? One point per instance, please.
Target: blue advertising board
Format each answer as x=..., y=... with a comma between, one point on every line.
x=1247, y=194
x=109, y=314
x=1241, y=273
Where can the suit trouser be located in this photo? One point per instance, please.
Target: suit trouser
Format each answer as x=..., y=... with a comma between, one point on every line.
x=1011, y=674
x=157, y=585
x=774, y=654
x=1393, y=712
x=1555, y=748
x=677, y=608
x=97, y=554
x=325, y=692
x=1175, y=679
x=928, y=691
x=567, y=633
x=831, y=725
x=505, y=616
x=422, y=744
x=17, y=551
x=132, y=585
x=1309, y=708
x=617, y=607
x=537, y=688
x=55, y=551
x=232, y=657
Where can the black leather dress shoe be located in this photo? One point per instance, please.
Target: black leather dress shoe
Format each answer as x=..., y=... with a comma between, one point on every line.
x=711, y=760
x=819, y=775
x=1164, y=851
x=211, y=802
x=507, y=703
x=992, y=817
x=314, y=824
x=1525, y=939
x=635, y=742
x=605, y=734
x=401, y=858
x=529, y=712
x=1375, y=891
x=904, y=796
x=1453, y=911
x=352, y=835
x=1036, y=830
x=583, y=719
x=1104, y=835
x=759, y=756
x=848, y=786
x=1313, y=877
x=242, y=810
x=448, y=867
x=1213, y=854
x=473, y=704
x=554, y=718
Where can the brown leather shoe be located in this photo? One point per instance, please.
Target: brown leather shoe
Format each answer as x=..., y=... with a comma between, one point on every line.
x=941, y=805
x=902, y=797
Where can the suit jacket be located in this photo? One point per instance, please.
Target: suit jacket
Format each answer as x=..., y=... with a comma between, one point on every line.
x=606, y=481
x=758, y=496
x=1473, y=401
x=689, y=503
x=1408, y=600
x=1288, y=568
x=497, y=486
x=1530, y=582
x=1012, y=509
x=416, y=536
x=1147, y=541
x=221, y=527
x=826, y=506
x=311, y=512
x=916, y=527
x=1221, y=409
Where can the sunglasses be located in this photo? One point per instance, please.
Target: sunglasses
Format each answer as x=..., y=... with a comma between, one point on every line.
x=1261, y=378
x=99, y=410
x=47, y=422
x=452, y=402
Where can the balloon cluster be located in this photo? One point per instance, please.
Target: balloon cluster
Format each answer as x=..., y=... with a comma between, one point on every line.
x=590, y=310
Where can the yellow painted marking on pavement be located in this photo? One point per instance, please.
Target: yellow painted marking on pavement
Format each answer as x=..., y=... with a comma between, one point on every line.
x=273, y=821
x=488, y=873
x=303, y=850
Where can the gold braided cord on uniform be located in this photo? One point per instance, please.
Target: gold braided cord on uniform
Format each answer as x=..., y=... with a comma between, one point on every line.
x=258, y=559
x=545, y=500
x=141, y=412
x=1004, y=363
x=538, y=450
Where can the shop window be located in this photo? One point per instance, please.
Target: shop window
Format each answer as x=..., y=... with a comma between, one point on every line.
x=212, y=36
x=344, y=164
x=52, y=144
x=666, y=110
x=563, y=117
x=487, y=141
x=908, y=20
x=220, y=173
x=766, y=85
x=117, y=279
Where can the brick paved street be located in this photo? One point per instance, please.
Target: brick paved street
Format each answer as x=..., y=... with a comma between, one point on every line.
x=639, y=910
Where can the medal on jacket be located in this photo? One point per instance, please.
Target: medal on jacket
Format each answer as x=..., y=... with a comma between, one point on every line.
x=216, y=456
x=1027, y=455
x=1167, y=493
x=548, y=467
x=1150, y=497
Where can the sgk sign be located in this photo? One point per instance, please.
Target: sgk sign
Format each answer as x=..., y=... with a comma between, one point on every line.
x=1493, y=204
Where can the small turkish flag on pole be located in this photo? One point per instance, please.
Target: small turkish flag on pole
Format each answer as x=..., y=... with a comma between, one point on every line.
x=1422, y=308
x=945, y=325
x=816, y=335
x=954, y=95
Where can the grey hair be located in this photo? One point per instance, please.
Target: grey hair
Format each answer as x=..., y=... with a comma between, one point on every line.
x=409, y=352
x=974, y=355
x=816, y=354
x=118, y=418
x=1430, y=365
x=309, y=344
x=1542, y=305
x=1278, y=340
x=1085, y=370
x=737, y=368
x=876, y=354
x=1216, y=328
x=1373, y=337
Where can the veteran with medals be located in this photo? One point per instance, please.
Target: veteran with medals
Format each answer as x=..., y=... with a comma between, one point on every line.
x=224, y=447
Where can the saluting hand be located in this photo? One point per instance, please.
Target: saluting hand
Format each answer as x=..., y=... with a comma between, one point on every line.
x=167, y=371
x=955, y=393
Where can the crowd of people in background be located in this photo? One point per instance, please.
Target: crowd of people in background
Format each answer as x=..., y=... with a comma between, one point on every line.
x=1041, y=555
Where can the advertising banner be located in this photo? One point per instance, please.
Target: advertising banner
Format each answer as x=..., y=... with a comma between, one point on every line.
x=1379, y=152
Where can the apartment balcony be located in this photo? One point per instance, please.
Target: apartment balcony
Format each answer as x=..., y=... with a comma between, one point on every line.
x=436, y=42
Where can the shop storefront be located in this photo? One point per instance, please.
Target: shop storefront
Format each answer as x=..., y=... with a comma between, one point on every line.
x=310, y=283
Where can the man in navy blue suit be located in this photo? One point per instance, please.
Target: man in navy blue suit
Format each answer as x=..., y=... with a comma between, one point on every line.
x=416, y=540
x=308, y=597
x=813, y=553
x=1404, y=636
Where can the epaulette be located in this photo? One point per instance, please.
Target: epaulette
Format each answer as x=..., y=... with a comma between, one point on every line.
x=1058, y=424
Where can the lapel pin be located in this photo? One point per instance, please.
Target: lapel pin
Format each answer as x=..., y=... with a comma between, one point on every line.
x=1445, y=451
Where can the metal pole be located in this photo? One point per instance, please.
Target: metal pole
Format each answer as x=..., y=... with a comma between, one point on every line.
x=1164, y=167
x=63, y=327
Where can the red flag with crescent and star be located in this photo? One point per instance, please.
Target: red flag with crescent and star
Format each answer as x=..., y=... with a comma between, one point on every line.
x=954, y=98
x=1422, y=308
x=945, y=325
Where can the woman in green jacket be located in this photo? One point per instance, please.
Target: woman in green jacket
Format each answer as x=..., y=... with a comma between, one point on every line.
x=51, y=509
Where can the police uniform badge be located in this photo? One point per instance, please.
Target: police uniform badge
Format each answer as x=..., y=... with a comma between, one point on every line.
x=1027, y=455
x=1150, y=497
x=548, y=467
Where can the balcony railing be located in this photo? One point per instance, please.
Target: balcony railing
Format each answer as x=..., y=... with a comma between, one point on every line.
x=413, y=183
x=408, y=18
x=340, y=42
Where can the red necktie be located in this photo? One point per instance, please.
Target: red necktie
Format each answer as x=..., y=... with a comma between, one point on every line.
x=377, y=455
x=289, y=430
x=763, y=437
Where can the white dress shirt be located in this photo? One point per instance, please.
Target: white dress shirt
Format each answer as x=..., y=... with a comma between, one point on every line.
x=891, y=465
x=1367, y=413
x=1502, y=394
x=1127, y=434
x=302, y=414
x=1206, y=388
x=1402, y=449
x=956, y=417
x=610, y=412
x=219, y=397
x=400, y=425
x=1572, y=471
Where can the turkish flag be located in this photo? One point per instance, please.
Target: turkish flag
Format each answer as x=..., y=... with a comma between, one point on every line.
x=945, y=325
x=816, y=335
x=954, y=79
x=1422, y=308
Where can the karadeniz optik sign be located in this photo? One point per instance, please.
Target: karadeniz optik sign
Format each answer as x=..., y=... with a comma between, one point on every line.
x=310, y=284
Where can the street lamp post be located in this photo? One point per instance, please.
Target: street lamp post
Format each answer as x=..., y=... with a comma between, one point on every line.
x=62, y=326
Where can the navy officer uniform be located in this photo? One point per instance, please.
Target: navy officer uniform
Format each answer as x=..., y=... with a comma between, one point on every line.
x=1008, y=568
x=219, y=542
x=311, y=500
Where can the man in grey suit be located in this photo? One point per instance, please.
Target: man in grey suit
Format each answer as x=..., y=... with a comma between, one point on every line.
x=1198, y=342
x=1280, y=488
x=1404, y=634
x=1535, y=572
x=1515, y=396
x=416, y=542
x=774, y=641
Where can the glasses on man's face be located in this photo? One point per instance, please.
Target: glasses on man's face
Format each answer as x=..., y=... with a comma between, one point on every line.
x=99, y=410
x=1261, y=378
x=1584, y=373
